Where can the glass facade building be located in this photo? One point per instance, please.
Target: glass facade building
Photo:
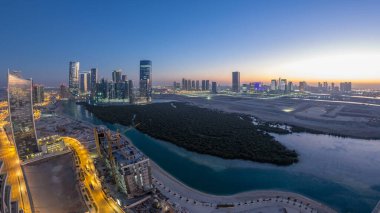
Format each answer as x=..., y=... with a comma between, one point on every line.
x=21, y=115
x=236, y=81
x=74, y=78
x=146, y=79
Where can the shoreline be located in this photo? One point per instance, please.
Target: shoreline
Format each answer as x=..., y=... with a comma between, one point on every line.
x=210, y=201
x=242, y=201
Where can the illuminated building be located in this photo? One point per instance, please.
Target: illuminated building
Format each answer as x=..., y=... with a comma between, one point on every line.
x=74, y=78
x=236, y=81
x=130, y=168
x=21, y=115
x=6, y=205
x=146, y=79
x=244, y=88
x=84, y=80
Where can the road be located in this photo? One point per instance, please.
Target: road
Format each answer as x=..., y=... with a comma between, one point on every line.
x=12, y=167
x=87, y=166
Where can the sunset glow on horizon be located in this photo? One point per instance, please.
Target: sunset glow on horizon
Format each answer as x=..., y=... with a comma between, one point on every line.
x=263, y=40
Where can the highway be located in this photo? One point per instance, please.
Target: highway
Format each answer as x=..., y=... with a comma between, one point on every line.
x=13, y=168
x=102, y=203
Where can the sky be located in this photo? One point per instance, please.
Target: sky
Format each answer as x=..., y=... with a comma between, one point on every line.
x=324, y=40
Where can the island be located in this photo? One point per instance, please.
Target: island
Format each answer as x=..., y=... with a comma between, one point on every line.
x=201, y=130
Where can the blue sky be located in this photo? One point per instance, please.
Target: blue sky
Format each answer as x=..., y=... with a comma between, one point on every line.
x=193, y=39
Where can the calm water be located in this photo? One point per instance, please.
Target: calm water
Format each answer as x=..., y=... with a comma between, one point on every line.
x=340, y=172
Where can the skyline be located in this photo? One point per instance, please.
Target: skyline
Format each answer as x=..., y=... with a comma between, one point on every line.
x=325, y=41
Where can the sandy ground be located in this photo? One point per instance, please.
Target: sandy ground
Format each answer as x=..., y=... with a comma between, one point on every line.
x=360, y=121
x=52, y=184
x=252, y=201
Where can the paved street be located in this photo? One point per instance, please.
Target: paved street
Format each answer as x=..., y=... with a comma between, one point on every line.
x=13, y=168
x=86, y=165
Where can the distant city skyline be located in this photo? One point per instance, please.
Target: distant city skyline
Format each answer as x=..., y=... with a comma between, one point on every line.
x=297, y=40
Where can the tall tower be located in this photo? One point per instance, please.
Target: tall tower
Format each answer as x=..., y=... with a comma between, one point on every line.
x=74, y=78
x=146, y=79
x=116, y=76
x=21, y=115
x=236, y=81
x=84, y=77
x=94, y=80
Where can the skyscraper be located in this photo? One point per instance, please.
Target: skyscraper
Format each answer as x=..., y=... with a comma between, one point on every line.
x=124, y=78
x=21, y=115
x=207, y=85
x=83, y=82
x=345, y=86
x=94, y=80
x=74, y=78
x=197, y=85
x=273, y=85
x=303, y=86
x=203, y=85
x=38, y=93
x=146, y=79
x=214, y=87
x=130, y=90
x=282, y=84
x=116, y=76
x=236, y=81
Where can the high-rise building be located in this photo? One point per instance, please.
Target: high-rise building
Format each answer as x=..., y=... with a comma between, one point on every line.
x=38, y=93
x=203, y=85
x=130, y=90
x=207, y=85
x=83, y=82
x=63, y=91
x=184, y=84
x=21, y=115
x=197, y=85
x=290, y=87
x=244, y=88
x=88, y=78
x=325, y=86
x=124, y=78
x=214, y=88
x=236, y=81
x=146, y=79
x=303, y=86
x=283, y=85
x=94, y=80
x=74, y=78
x=188, y=85
x=273, y=85
x=116, y=76
x=345, y=86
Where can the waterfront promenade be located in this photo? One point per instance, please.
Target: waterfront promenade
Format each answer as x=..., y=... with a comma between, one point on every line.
x=252, y=201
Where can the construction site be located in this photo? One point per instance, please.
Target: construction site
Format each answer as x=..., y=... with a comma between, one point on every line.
x=124, y=171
